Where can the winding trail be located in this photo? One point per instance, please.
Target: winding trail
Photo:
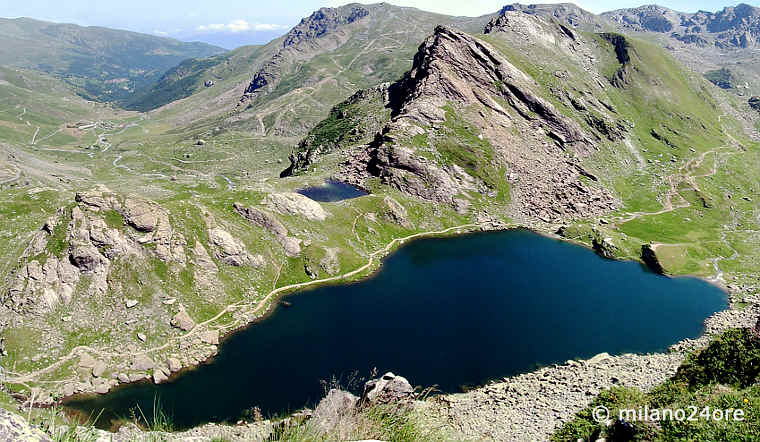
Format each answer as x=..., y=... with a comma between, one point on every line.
x=685, y=174
x=260, y=307
x=34, y=137
x=676, y=178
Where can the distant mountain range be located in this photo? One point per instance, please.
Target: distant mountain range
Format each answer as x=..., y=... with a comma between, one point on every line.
x=100, y=63
x=144, y=72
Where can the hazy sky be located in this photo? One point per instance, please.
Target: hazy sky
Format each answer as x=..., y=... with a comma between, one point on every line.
x=259, y=19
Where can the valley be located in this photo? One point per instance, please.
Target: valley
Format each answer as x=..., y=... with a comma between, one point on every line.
x=141, y=229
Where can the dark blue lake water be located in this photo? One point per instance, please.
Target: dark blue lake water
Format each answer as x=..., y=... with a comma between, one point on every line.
x=332, y=191
x=450, y=312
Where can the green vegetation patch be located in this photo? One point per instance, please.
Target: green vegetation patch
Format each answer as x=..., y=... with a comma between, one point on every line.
x=723, y=376
x=463, y=146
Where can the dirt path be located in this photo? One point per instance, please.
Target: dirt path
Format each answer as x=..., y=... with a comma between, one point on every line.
x=34, y=137
x=259, y=307
x=676, y=178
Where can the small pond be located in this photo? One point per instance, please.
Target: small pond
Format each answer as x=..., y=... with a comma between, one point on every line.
x=332, y=191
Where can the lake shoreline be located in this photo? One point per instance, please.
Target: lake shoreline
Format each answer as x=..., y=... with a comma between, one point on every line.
x=363, y=273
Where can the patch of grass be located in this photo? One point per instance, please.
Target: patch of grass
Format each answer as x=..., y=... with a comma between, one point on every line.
x=160, y=420
x=392, y=422
x=469, y=150
x=722, y=376
x=113, y=219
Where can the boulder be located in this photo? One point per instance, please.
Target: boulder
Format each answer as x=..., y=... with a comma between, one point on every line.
x=99, y=369
x=231, y=250
x=210, y=337
x=87, y=361
x=396, y=213
x=296, y=204
x=291, y=245
x=86, y=257
x=140, y=215
x=183, y=321
x=160, y=374
x=387, y=389
x=333, y=407
x=174, y=364
x=142, y=363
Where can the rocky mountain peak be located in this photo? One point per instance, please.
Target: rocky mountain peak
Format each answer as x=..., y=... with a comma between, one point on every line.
x=302, y=42
x=322, y=21
x=563, y=12
x=731, y=27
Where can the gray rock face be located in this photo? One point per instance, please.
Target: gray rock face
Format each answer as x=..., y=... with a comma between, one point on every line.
x=296, y=204
x=322, y=21
x=270, y=223
x=230, y=250
x=183, y=321
x=15, y=428
x=731, y=27
x=387, y=389
x=333, y=407
x=310, y=29
x=566, y=12
x=261, y=218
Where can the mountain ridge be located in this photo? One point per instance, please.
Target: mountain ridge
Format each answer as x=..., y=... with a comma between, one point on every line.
x=99, y=63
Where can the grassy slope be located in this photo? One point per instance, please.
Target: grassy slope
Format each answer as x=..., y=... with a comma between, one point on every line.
x=379, y=48
x=682, y=109
x=189, y=77
x=103, y=64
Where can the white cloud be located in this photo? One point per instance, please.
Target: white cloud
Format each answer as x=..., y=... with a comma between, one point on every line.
x=241, y=25
x=161, y=33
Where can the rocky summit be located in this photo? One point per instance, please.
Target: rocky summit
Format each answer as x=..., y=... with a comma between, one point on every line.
x=153, y=200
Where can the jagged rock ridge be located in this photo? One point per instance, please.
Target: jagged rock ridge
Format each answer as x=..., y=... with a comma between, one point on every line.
x=322, y=21
x=309, y=31
x=731, y=27
x=452, y=68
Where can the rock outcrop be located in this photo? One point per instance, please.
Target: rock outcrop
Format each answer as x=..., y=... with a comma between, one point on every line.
x=296, y=204
x=386, y=389
x=649, y=256
x=270, y=223
x=83, y=240
x=396, y=213
x=231, y=250
x=15, y=428
x=322, y=21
